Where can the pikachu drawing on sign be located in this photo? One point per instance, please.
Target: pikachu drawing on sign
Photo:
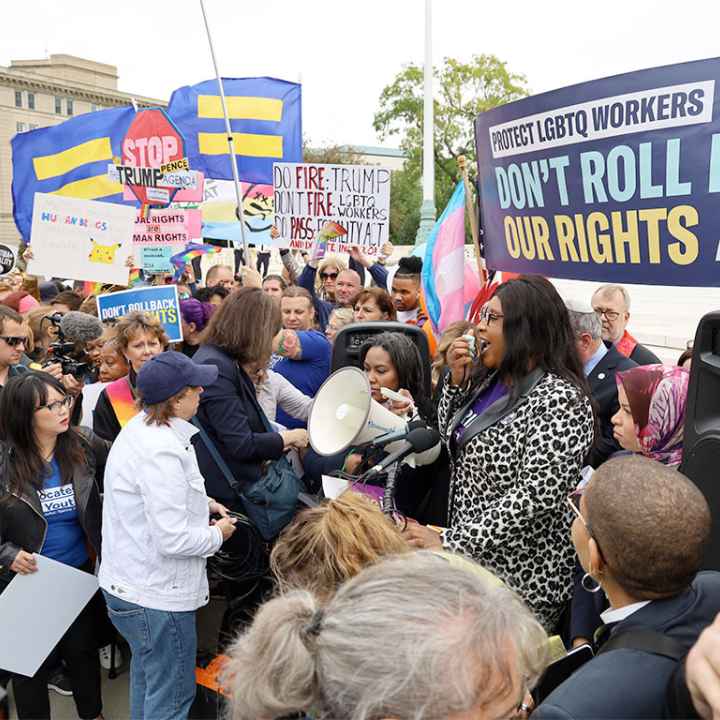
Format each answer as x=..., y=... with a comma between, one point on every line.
x=104, y=254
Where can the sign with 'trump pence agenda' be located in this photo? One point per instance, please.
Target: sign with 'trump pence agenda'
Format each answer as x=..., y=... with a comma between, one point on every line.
x=616, y=179
x=306, y=196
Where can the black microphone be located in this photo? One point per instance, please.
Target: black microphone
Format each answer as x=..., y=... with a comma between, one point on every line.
x=399, y=434
x=79, y=327
x=417, y=441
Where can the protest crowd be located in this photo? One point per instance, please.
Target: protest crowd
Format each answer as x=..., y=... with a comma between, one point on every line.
x=538, y=526
x=404, y=502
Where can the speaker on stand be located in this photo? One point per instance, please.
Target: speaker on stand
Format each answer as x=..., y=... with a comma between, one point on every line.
x=701, y=439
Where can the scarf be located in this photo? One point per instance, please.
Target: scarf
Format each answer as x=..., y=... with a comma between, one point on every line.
x=657, y=395
x=626, y=344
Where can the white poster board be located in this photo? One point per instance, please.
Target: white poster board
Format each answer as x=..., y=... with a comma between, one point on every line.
x=37, y=609
x=81, y=239
x=306, y=196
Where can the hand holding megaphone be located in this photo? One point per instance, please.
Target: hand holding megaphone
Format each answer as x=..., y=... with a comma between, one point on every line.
x=401, y=402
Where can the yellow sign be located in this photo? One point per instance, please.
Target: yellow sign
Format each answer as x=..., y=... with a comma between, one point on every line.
x=174, y=165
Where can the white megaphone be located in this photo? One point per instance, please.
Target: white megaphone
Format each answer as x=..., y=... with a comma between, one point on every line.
x=345, y=414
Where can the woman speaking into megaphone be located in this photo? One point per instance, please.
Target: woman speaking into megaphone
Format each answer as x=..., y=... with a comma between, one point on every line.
x=391, y=362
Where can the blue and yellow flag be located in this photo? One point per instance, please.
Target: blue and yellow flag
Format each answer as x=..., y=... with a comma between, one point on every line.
x=265, y=119
x=68, y=159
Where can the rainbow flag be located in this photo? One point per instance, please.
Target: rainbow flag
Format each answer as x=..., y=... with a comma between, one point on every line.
x=447, y=280
x=191, y=251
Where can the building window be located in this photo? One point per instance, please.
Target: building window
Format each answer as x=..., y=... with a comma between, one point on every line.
x=31, y=101
x=93, y=107
x=69, y=104
x=18, y=98
x=33, y=126
x=20, y=127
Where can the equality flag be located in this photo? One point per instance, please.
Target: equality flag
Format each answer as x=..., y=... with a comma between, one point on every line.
x=265, y=119
x=191, y=251
x=68, y=159
x=449, y=283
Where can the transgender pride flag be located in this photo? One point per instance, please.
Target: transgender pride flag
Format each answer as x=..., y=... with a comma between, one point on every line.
x=449, y=283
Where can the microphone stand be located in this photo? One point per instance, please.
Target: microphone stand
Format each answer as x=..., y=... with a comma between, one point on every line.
x=389, y=496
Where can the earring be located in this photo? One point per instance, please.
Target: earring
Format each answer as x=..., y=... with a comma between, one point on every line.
x=584, y=583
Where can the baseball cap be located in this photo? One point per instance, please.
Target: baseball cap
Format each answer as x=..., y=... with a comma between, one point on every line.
x=168, y=373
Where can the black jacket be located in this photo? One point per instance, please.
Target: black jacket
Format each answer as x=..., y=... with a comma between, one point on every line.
x=603, y=388
x=642, y=356
x=628, y=683
x=230, y=414
x=22, y=523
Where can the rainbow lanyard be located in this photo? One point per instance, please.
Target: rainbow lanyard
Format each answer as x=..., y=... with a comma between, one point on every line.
x=122, y=400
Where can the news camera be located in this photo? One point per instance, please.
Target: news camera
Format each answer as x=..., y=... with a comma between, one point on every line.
x=74, y=331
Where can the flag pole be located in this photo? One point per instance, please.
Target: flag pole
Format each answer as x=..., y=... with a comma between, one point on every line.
x=231, y=142
x=472, y=217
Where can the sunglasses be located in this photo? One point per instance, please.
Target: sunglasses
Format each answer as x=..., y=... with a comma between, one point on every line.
x=13, y=341
x=328, y=276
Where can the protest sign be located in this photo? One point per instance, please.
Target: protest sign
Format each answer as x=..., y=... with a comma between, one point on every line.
x=219, y=217
x=170, y=229
x=53, y=597
x=7, y=259
x=81, y=239
x=308, y=196
x=158, y=300
x=615, y=179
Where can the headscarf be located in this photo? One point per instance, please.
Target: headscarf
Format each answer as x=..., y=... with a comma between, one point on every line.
x=657, y=395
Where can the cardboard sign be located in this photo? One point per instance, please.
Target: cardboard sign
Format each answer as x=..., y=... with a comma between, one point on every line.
x=81, y=239
x=170, y=229
x=7, y=259
x=356, y=197
x=158, y=300
x=612, y=180
x=192, y=195
x=156, y=259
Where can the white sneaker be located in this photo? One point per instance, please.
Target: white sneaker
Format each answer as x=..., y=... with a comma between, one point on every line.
x=105, y=656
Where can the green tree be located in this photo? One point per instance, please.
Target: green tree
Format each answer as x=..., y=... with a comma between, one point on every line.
x=330, y=154
x=461, y=92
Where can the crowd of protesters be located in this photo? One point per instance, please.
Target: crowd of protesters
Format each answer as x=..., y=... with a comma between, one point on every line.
x=552, y=515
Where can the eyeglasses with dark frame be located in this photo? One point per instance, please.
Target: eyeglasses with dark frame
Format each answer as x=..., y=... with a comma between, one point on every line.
x=488, y=316
x=608, y=314
x=14, y=340
x=58, y=406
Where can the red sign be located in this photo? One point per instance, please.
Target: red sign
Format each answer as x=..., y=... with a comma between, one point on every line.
x=151, y=141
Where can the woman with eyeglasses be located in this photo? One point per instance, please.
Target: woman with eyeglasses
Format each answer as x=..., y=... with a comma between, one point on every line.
x=517, y=421
x=138, y=337
x=50, y=506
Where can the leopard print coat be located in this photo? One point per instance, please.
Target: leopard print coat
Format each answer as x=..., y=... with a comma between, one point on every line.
x=508, y=491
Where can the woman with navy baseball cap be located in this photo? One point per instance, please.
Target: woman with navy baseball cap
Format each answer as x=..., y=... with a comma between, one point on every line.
x=157, y=534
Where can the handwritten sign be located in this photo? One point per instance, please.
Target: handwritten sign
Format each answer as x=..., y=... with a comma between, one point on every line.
x=356, y=197
x=158, y=300
x=81, y=239
x=171, y=229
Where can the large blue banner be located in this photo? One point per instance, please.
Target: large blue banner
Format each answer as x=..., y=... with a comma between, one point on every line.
x=612, y=180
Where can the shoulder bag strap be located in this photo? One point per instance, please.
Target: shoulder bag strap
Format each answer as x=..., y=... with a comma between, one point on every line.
x=649, y=641
x=217, y=457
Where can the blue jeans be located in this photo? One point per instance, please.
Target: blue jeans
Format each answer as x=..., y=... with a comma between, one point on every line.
x=162, y=668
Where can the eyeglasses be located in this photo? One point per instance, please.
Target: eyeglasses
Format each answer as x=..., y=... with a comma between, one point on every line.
x=13, y=341
x=328, y=276
x=573, y=500
x=610, y=315
x=59, y=405
x=488, y=316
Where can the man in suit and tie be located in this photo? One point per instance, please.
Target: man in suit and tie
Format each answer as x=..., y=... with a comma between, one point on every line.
x=600, y=363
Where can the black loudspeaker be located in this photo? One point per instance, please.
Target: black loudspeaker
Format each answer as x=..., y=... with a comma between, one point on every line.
x=701, y=440
x=349, y=340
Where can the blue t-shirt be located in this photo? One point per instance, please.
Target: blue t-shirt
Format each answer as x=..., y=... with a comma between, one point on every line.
x=65, y=539
x=306, y=374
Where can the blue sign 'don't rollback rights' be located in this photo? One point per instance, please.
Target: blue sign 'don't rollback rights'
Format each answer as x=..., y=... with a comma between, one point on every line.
x=158, y=300
x=616, y=179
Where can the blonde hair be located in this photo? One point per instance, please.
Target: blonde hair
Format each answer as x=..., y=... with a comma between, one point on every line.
x=329, y=261
x=452, y=332
x=327, y=545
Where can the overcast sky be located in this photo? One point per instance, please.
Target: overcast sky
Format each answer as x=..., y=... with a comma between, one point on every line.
x=346, y=51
